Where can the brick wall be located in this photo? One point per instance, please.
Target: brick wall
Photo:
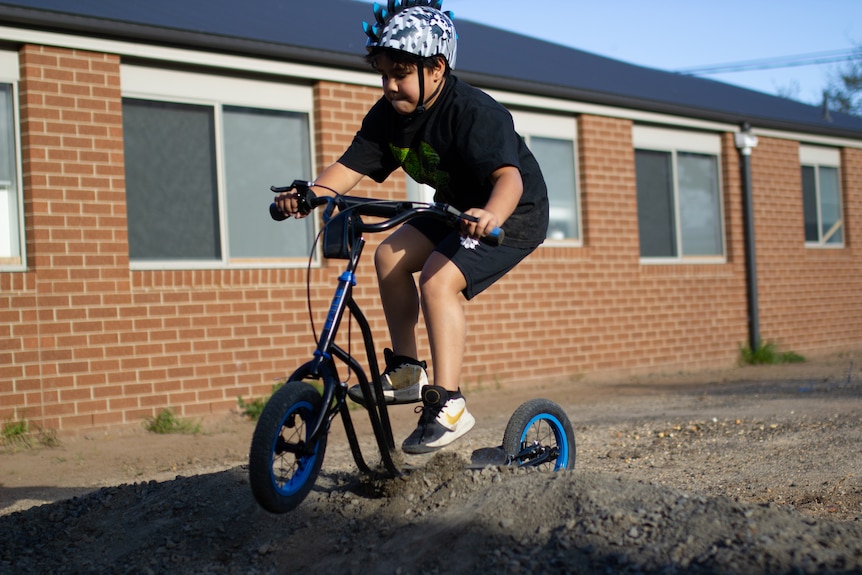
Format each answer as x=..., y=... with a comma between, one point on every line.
x=86, y=343
x=63, y=317
x=809, y=297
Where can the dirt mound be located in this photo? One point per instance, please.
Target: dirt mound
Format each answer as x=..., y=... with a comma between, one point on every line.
x=754, y=475
x=440, y=519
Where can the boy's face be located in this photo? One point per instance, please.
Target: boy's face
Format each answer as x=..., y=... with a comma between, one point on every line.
x=401, y=83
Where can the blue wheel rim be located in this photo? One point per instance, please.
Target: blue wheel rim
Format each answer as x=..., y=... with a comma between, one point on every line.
x=304, y=464
x=557, y=427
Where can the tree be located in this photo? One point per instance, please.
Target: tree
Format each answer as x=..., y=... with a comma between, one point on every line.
x=844, y=93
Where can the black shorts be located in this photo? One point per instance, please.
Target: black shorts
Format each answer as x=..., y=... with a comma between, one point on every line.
x=481, y=266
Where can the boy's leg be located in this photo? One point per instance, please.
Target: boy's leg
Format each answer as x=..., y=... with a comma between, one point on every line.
x=400, y=256
x=451, y=274
x=443, y=307
x=444, y=410
x=397, y=258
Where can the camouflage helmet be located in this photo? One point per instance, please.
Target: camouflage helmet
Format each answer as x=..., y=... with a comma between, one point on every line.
x=418, y=27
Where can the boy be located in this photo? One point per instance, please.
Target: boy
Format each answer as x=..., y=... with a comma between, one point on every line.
x=461, y=142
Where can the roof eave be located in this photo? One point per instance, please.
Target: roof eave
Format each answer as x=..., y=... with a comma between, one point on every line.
x=76, y=24
x=126, y=31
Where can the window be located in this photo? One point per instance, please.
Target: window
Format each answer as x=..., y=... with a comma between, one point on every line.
x=198, y=170
x=11, y=216
x=821, y=196
x=552, y=141
x=679, y=195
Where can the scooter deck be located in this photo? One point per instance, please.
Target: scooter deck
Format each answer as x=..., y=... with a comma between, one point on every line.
x=489, y=457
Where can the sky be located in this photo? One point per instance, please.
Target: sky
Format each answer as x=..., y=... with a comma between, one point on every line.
x=677, y=34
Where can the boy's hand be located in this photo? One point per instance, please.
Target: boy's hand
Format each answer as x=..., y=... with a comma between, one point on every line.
x=288, y=203
x=487, y=222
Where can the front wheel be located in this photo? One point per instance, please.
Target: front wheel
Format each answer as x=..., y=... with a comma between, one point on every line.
x=282, y=464
x=539, y=434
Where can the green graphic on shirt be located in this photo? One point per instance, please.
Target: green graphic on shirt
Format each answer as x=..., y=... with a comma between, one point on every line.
x=422, y=165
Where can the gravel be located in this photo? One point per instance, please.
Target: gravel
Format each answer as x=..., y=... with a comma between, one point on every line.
x=754, y=476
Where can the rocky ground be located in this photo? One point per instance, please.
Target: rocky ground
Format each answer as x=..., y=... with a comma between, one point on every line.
x=748, y=470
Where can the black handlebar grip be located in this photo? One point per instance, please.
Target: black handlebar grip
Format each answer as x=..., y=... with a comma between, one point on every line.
x=306, y=199
x=276, y=214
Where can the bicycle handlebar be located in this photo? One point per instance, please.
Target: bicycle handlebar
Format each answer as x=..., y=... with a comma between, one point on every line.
x=396, y=212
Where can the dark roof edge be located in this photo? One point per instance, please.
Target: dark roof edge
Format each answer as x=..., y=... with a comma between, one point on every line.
x=124, y=31
x=176, y=38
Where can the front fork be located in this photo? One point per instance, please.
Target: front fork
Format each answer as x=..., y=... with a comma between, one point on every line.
x=323, y=367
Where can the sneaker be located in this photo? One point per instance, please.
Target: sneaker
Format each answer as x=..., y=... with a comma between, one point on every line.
x=444, y=419
x=402, y=381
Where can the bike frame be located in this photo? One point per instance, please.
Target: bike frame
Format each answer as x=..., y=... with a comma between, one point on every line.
x=323, y=367
x=290, y=438
x=347, y=229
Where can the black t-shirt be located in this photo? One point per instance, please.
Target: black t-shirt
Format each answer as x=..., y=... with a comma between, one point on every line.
x=454, y=147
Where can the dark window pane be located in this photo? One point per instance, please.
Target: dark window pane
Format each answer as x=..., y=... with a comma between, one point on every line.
x=7, y=135
x=809, y=203
x=656, y=222
x=171, y=182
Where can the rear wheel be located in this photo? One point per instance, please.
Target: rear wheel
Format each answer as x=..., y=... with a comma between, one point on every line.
x=539, y=434
x=283, y=465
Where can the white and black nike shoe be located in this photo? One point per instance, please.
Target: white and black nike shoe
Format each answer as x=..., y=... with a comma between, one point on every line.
x=444, y=419
x=402, y=381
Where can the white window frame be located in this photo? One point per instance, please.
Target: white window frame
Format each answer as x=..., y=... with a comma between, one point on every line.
x=417, y=192
x=817, y=157
x=661, y=139
x=9, y=74
x=197, y=88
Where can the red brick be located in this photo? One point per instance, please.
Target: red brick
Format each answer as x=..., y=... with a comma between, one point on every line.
x=122, y=344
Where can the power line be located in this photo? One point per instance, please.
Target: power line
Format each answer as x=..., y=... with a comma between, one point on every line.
x=810, y=59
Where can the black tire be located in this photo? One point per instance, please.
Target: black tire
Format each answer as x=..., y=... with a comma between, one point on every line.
x=543, y=424
x=281, y=478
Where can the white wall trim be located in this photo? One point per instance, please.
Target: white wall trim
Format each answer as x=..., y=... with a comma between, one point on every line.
x=179, y=55
x=9, y=69
x=807, y=138
x=573, y=107
x=820, y=156
x=149, y=82
x=653, y=138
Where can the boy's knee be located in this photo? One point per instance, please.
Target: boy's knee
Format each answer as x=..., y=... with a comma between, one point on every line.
x=436, y=283
x=383, y=257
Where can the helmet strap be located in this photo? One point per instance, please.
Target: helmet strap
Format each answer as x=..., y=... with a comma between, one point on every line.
x=420, y=108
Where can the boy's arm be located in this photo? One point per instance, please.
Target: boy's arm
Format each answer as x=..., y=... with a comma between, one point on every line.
x=337, y=177
x=505, y=195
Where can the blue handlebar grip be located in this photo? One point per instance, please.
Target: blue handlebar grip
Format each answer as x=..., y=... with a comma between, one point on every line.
x=495, y=238
x=276, y=214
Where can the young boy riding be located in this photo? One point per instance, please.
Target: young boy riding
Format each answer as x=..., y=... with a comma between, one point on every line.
x=455, y=138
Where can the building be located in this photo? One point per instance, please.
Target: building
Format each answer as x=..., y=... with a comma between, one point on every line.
x=139, y=270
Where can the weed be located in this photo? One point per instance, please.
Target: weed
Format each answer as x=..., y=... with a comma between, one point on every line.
x=767, y=354
x=254, y=407
x=21, y=435
x=47, y=437
x=16, y=434
x=166, y=422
